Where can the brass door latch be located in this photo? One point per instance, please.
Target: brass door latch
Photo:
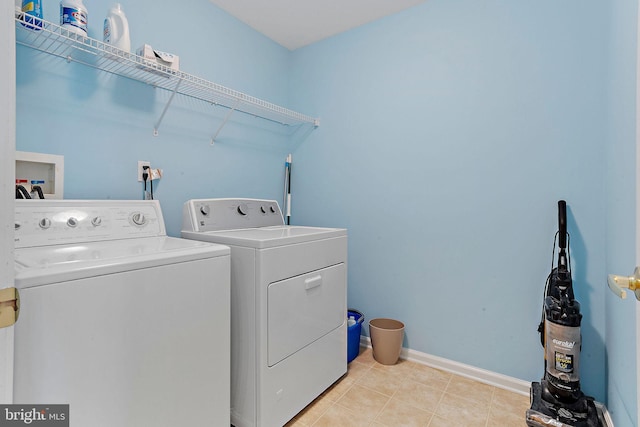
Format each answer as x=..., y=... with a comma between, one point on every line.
x=9, y=306
x=617, y=283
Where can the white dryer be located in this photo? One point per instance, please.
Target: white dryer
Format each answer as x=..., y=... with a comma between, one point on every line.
x=288, y=306
x=126, y=325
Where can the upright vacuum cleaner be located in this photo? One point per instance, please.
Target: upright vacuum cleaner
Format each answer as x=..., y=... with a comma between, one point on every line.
x=557, y=399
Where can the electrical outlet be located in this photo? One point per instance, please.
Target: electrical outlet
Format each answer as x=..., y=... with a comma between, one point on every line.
x=141, y=164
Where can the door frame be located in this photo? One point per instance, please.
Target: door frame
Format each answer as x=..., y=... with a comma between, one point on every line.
x=637, y=213
x=7, y=190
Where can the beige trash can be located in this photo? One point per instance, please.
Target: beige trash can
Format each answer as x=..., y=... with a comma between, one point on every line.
x=386, y=339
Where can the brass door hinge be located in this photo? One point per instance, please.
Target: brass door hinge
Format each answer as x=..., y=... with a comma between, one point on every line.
x=9, y=306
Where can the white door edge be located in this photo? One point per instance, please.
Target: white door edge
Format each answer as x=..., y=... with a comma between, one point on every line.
x=7, y=176
x=637, y=213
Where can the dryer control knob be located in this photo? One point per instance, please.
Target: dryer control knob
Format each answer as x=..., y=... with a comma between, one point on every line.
x=243, y=209
x=96, y=221
x=204, y=210
x=44, y=223
x=72, y=222
x=138, y=218
x=263, y=209
x=272, y=209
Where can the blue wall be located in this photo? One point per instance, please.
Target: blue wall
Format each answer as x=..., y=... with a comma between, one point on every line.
x=103, y=124
x=449, y=131
x=621, y=334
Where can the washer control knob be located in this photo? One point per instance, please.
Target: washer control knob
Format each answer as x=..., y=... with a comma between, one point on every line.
x=263, y=209
x=243, y=209
x=72, y=222
x=44, y=223
x=138, y=218
x=96, y=221
x=272, y=209
x=205, y=209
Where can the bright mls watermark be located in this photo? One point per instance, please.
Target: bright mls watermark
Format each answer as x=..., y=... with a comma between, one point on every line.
x=34, y=415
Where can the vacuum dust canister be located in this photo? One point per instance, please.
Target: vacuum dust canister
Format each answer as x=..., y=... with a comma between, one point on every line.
x=74, y=16
x=116, y=29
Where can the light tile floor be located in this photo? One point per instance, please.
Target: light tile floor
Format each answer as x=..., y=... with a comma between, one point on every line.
x=410, y=394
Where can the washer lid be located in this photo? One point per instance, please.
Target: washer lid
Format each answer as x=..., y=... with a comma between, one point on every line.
x=52, y=264
x=266, y=237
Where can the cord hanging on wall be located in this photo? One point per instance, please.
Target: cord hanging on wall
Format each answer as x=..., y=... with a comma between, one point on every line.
x=149, y=175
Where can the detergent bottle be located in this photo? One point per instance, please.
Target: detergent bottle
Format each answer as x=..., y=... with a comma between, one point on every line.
x=74, y=16
x=33, y=8
x=116, y=28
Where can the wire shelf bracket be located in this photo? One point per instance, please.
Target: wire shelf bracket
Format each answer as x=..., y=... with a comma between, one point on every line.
x=166, y=107
x=224, y=122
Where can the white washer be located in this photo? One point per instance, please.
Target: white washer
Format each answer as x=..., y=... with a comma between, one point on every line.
x=288, y=306
x=126, y=325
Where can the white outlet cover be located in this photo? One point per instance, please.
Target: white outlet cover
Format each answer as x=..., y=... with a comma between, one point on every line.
x=141, y=164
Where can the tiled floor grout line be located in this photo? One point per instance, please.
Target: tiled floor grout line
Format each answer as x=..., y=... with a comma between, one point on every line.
x=322, y=413
x=384, y=406
x=373, y=420
x=444, y=391
x=493, y=393
x=457, y=399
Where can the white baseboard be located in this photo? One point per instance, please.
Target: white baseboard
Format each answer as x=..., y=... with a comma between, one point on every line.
x=481, y=375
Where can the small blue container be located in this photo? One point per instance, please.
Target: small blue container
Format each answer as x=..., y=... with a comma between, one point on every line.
x=353, y=334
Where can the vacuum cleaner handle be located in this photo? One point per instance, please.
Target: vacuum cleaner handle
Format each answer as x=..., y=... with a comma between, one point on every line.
x=562, y=224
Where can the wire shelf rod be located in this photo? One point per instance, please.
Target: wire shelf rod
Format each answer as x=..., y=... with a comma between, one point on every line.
x=60, y=42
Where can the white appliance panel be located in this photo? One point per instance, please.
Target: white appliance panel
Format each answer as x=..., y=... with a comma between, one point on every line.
x=129, y=349
x=269, y=262
x=288, y=261
x=244, y=342
x=128, y=326
x=287, y=387
x=281, y=394
x=204, y=215
x=302, y=309
x=55, y=222
x=268, y=237
x=56, y=263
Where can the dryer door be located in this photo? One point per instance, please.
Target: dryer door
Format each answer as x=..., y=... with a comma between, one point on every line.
x=304, y=308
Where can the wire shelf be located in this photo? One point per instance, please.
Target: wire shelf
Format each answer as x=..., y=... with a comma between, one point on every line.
x=58, y=41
